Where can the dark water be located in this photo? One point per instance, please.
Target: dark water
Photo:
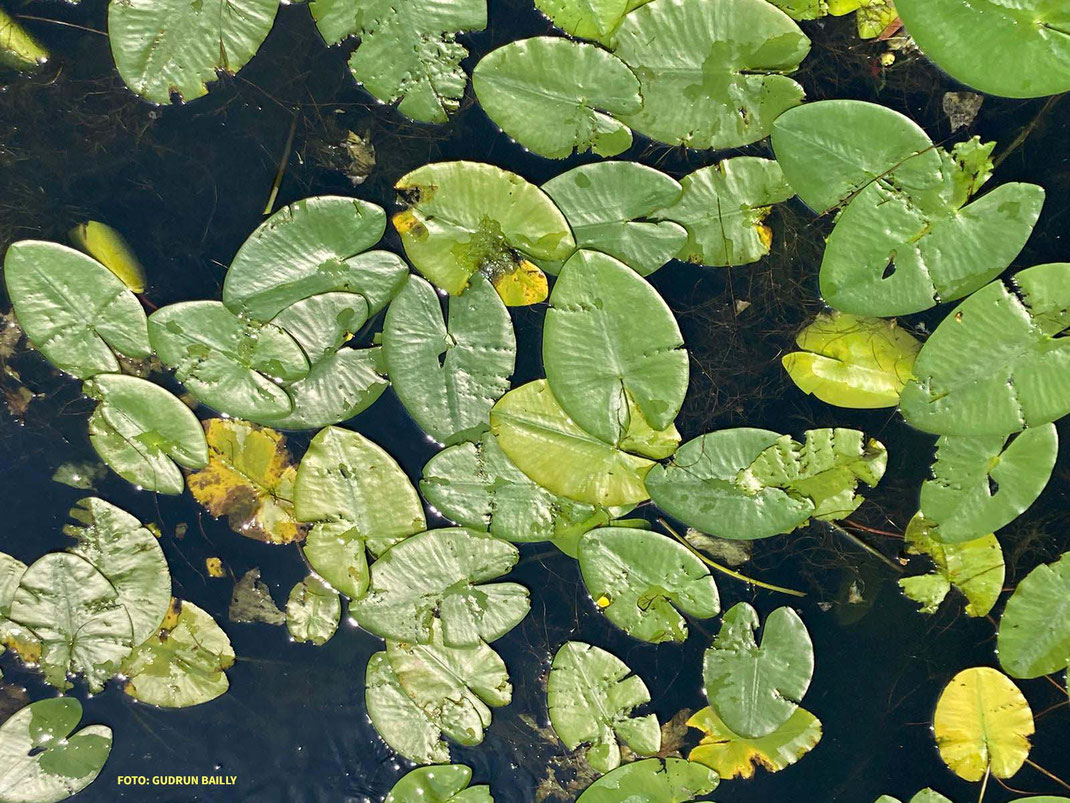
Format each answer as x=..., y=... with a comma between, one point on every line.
x=187, y=184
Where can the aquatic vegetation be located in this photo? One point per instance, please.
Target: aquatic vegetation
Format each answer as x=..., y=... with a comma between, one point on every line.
x=735, y=756
x=19, y=50
x=444, y=784
x=313, y=611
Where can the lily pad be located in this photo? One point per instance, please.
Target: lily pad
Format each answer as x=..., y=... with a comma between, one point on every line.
x=596, y=357
x=408, y=52
x=924, y=796
x=735, y=756
x=723, y=209
x=448, y=784
x=250, y=480
x=1034, y=633
x=997, y=363
x=357, y=499
x=556, y=96
x=315, y=246
x=610, y=207
x=468, y=217
x=144, y=433
x=313, y=611
x=591, y=694
x=440, y=576
x=338, y=387
x=588, y=19
x=251, y=601
x=44, y=760
x=755, y=689
x=671, y=781
x=712, y=74
x=982, y=723
x=183, y=664
x=322, y=323
x=981, y=484
x=448, y=375
x=400, y=722
x=1018, y=50
x=229, y=363
x=107, y=245
x=73, y=309
x=851, y=361
x=549, y=447
x=643, y=582
x=19, y=50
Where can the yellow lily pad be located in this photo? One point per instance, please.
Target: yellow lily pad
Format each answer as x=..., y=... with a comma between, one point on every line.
x=735, y=756
x=111, y=250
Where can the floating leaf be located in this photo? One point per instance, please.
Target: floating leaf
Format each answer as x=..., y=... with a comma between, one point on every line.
x=556, y=96
x=1034, y=633
x=654, y=781
x=144, y=433
x=73, y=309
x=982, y=722
x=439, y=575
x=924, y=796
x=77, y=615
x=543, y=442
x=408, y=52
x=640, y=578
x=250, y=480
x=108, y=246
x=399, y=721
x=318, y=245
x=44, y=760
x=712, y=74
x=468, y=217
x=171, y=46
x=974, y=567
x=448, y=375
x=610, y=207
x=227, y=362
x=181, y=665
x=19, y=50
x=850, y=361
x=981, y=484
x=251, y=601
x=723, y=209
x=338, y=387
x=597, y=358
x=997, y=364
x=1019, y=50
x=448, y=784
x=129, y=556
x=313, y=611
x=591, y=694
x=873, y=16
x=358, y=498
x=588, y=19
x=734, y=756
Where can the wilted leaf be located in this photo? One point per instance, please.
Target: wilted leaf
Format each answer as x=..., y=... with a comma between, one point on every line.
x=313, y=611
x=251, y=601
x=734, y=756
x=1034, y=633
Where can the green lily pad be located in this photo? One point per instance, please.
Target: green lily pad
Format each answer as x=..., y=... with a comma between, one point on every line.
x=997, y=364
x=723, y=209
x=227, y=362
x=78, y=617
x=644, y=581
x=448, y=784
x=313, y=611
x=322, y=323
x=1018, y=50
x=129, y=556
x=590, y=695
x=468, y=217
x=924, y=796
x=756, y=688
x=855, y=362
x=338, y=387
x=712, y=74
x=358, y=499
x=408, y=52
x=555, y=96
x=173, y=46
x=670, y=781
x=596, y=357
x=448, y=375
x=315, y=246
x=73, y=309
x=610, y=207
x=183, y=664
x=1034, y=633
x=981, y=484
x=44, y=760
x=144, y=433
x=588, y=19
x=549, y=447
x=735, y=756
x=399, y=721
x=440, y=575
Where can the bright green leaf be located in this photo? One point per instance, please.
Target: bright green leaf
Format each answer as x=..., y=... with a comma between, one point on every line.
x=671, y=781
x=447, y=784
x=1034, y=633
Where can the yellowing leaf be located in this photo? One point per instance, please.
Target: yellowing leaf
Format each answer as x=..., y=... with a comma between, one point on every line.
x=214, y=567
x=108, y=247
x=735, y=756
x=523, y=285
x=249, y=479
x=982, y=721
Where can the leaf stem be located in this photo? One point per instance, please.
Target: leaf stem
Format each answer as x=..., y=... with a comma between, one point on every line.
x=282, y=167
x=1043, y=771
x=1024, y=135
x=984, y=784
x=854, y=539
x=724, y=569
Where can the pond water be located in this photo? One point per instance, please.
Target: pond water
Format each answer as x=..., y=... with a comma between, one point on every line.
x=187, y=184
